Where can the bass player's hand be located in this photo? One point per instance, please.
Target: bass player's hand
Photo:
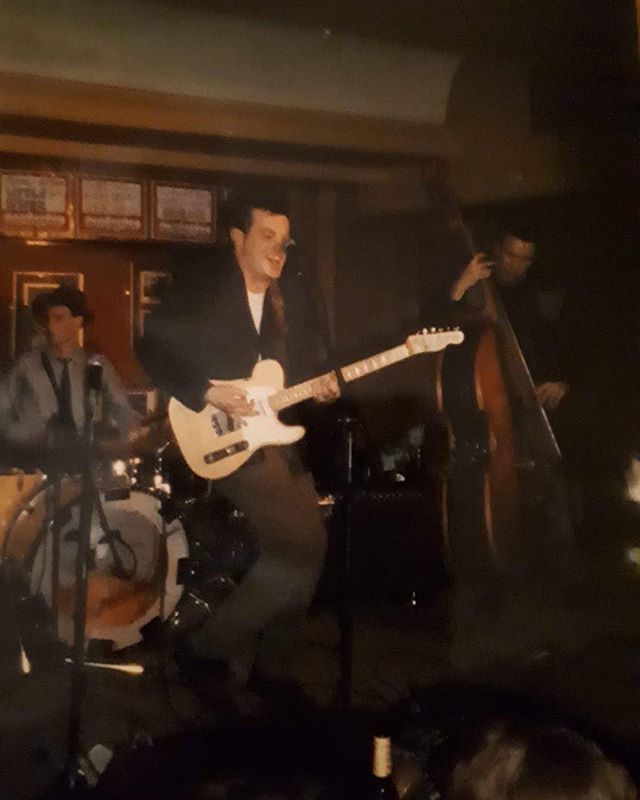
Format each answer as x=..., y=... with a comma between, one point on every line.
x=551, y=394
x=476, y=270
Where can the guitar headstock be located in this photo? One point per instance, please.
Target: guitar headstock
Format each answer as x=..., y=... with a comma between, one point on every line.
x=432, y=340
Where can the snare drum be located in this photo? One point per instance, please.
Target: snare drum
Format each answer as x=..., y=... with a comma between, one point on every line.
x=148, y=547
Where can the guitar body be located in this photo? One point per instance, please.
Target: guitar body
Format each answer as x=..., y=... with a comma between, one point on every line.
x=214, y=445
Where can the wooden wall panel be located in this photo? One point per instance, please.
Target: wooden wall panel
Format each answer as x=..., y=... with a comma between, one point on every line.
x=107, y=282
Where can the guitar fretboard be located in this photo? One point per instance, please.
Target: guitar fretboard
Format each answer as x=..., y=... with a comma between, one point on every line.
x=303, y=391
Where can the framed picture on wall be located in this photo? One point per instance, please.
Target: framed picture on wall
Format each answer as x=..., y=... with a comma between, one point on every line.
x=27, y=286
x=143, y=313
x=183, y=213
x=111, y=208
x=151, y=285
x=32, y=290
x=36, y=205
x=147, y=286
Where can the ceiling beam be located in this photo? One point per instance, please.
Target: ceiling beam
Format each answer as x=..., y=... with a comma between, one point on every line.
x=65, y=149
x=35, y=97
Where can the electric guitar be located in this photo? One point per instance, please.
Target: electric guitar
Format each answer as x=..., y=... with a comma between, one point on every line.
x=215, y=444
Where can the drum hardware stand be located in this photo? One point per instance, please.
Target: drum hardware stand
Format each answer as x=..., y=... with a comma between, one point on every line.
x=54, y=441
x=53, y=516
x=10, y=624
x=89, y=500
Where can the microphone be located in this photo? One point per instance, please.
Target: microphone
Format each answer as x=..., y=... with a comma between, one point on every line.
x=93, y=377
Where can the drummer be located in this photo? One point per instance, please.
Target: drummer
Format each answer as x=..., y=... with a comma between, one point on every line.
x=44, y=398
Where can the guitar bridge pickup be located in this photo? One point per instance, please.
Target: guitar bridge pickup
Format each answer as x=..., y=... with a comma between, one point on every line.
x=225, y=452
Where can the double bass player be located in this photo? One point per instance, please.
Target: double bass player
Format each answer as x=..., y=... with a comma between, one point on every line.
x=509, y=532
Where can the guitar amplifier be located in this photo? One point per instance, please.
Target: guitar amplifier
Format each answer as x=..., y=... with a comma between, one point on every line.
x=396, y=552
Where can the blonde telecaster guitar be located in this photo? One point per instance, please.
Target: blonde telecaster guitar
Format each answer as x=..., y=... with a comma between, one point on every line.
x=215, y=445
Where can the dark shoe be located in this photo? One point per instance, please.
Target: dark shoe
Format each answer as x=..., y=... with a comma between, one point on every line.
x=230, y=705
x=213, y=682
x=193, y=665
x=283, y=696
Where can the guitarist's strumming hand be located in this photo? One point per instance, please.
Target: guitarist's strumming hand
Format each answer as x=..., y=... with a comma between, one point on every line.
x=230, y=399
x=325, y=388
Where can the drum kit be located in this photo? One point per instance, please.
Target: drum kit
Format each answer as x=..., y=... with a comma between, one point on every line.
x=164, y=551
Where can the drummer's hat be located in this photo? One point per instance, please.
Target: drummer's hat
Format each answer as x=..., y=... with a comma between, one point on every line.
x=68, y=296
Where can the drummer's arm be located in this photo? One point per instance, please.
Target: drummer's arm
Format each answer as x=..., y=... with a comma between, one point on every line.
x=19, y=420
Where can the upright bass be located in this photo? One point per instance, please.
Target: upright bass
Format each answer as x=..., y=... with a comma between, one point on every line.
x=506, y=510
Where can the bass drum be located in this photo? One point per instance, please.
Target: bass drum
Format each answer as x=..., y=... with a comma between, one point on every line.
x=133, y=578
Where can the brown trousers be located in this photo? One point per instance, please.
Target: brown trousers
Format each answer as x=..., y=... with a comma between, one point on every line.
x=262, y=618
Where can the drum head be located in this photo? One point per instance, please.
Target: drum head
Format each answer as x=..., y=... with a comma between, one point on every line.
x=134, y=570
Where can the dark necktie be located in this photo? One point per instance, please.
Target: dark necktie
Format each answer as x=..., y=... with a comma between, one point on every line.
x=65, y=410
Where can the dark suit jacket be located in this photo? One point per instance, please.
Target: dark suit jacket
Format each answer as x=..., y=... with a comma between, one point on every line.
x=203, y=329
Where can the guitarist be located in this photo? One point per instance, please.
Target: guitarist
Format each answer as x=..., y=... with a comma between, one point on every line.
x=217, y=323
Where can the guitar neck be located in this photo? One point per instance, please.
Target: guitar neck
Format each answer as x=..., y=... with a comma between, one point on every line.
x=367, y=366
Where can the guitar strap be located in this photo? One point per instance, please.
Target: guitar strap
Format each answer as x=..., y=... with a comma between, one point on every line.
x=273, y=329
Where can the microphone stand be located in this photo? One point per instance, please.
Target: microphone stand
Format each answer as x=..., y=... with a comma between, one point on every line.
x=79, y=670
x=89, y=500
x=53, y=520
x=58, y=447
x=345, y=612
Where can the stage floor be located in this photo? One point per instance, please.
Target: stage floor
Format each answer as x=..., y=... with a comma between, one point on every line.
x=585, y=665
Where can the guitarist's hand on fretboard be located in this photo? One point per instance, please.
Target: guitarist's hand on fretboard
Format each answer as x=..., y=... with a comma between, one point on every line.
x=230, y=399
x=326, y=388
